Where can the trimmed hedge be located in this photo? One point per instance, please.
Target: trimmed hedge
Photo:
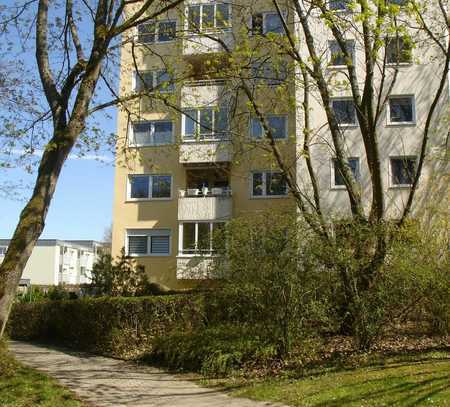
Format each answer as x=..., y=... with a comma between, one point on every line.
x=120, y=327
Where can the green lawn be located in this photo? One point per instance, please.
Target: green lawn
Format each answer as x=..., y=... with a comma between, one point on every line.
x=417, y=382
x=29, y=388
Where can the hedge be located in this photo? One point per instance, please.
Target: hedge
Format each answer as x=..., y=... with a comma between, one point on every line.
x=119, y=327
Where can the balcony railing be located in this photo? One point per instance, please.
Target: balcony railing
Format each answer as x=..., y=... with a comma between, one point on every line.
x=205, y=204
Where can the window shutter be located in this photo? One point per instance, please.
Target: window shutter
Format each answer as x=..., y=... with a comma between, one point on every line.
x=137, y=244
x=160, y=244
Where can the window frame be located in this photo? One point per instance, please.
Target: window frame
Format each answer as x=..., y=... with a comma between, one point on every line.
x=132, y=139
x=148, y=233
x=157, y=29
x=264, y=15
x=391, y=172
x=270, y=82
x=150, y=188
x=200, y=29
x=330, y=65
x=338, y=10
x=390, y=123
x=333, y=162
x=264, y=136
x=171, y=89
x=264, y=185
x=387, y=41
x=208, y=137
x=196, y=253
x=345, y=98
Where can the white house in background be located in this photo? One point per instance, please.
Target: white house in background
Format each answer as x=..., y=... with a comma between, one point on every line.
x=54, y=262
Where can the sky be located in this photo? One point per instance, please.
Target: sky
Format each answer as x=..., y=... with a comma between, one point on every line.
x=82, y=203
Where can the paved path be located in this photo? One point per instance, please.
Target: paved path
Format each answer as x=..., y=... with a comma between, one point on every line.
x=106, y=382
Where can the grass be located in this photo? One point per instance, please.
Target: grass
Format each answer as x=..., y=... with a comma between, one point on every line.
x=21, y=386
x=420, y=380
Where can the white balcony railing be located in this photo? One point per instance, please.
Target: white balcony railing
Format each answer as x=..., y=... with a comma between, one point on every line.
x=194, y=268
x=212, y=43
x=205, y=204
x=206, y=151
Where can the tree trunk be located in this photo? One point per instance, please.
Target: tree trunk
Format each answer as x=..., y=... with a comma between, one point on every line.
x=31, y=224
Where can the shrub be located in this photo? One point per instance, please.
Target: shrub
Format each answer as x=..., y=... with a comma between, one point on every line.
x=122, y=277
x=213, y=351
x=119, y=327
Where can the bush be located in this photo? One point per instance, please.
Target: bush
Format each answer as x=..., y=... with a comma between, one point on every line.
x=122, y=277
x=213, y=351
x=118, y=327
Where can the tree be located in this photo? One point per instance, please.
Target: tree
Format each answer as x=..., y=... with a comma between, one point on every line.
x=386, y=35
x=70, y=68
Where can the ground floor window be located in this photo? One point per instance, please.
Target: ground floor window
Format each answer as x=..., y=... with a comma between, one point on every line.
x=199, y=237
x=268, y=184
x=148, y=242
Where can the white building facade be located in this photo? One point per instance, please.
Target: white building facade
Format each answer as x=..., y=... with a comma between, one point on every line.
x=56, y=262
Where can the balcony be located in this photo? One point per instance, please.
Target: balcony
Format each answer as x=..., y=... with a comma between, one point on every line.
x=194, y=44
x=194, y=268
x=196, y=204
x=205, y=151
x=203, y=93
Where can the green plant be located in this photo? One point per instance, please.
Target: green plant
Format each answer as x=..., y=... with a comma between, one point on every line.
x=122, y=277
x=213, y=351
x=270, y=279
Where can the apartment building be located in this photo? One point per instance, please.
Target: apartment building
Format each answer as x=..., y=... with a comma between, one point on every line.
x=55, y=262
x=192, y=157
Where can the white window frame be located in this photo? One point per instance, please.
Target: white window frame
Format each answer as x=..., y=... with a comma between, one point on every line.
x=197, y=137
x=148, y=233
x=150, y=186
x=264, y=185
x=263, y=135
x=132, y=140
x=333, y=172
x=330, y=54
x=390, y=172
x=347, y=98
x=338, y=10
x=196, y=253
x=388, y=111
x=157, y=23
x=209, y=29
x=394, y=64
x=154, y=72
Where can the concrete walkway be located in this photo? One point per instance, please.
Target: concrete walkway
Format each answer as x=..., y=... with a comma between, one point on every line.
x=109, y=382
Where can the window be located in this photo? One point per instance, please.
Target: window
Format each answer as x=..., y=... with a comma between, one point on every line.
x=159, y=80
x=264, y=23
x=277, y=124
x=268, y=183
x=198, y=237
x=3, y=250
x=345, y=112
x=401, y=110
x=207, y=17
x=397, y=2
x=337, y=56
x=206, y=123
x=268, y=73
x=403, y=170
x=152, y=133
x=398, y=51
x=338, y=179
x=157, y=31
x=149, y=187
x=148, y=242
x=338, y=5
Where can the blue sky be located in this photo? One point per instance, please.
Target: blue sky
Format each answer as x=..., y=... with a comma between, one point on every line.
x=82, y=204
x=81, y=207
